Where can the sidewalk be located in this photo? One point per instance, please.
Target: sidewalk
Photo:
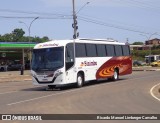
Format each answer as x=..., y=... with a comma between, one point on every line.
x=14, y=76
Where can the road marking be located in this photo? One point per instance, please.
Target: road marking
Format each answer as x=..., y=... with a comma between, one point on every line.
x=55, y=94
x=23, y=101
x=151, y=91
x=65, y=92
x=8, y=92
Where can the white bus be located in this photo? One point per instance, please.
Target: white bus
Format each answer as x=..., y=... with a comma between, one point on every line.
x=61, y=62
x=152, y=58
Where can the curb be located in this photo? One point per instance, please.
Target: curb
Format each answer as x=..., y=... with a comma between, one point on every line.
x=143, y=67
x=148, y=70
x=25, y=80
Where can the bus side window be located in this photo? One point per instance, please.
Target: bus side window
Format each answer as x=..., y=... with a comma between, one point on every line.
x=91, y=50
x=110, y=50
x=69, y=55
x=126, y=50
x=101, y=50
x=118, y=50
x=80, y=50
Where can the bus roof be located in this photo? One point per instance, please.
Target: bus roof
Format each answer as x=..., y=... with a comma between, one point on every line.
x=59, y=43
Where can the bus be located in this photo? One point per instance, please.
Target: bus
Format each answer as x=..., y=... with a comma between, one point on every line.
x=61, y=62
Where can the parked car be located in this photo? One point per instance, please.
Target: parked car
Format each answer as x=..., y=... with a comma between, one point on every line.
x=3, y=67
x=155, y=64
x=14, y=67
x=138, y=63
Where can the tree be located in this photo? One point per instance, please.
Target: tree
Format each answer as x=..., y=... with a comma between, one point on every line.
x=17, y=34
x=45, y=38
x=7, y=37
x=138, y=43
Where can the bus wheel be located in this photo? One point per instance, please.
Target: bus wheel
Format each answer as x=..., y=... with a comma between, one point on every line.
x=80, y=80
x=115, y=75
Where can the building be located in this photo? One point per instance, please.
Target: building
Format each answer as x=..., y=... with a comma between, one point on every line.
x=154, y=41
x=147, y=46
x=15, y=51
x=140, y=47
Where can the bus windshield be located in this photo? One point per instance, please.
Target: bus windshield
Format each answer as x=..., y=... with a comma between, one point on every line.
x=48, y=59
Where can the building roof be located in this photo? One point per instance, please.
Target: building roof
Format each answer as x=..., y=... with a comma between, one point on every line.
x=17, y=45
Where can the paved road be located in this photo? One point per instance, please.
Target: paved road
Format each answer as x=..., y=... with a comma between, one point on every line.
x=131, y=94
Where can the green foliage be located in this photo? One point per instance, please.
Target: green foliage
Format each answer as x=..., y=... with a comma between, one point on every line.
x=155, y=52
x=138, y=43
x=155, y=47
x=7, y=37
x=140, y=54
x=17, y=35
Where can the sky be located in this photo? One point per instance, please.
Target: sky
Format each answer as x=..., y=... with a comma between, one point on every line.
x=122, y=20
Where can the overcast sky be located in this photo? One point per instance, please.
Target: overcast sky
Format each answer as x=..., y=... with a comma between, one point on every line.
x=117, y=19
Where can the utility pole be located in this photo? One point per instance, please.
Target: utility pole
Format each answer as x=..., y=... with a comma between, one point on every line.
x=127, y=41
x=74, y=25
x=150, y=46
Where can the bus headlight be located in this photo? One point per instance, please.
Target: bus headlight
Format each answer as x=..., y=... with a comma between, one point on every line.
x=50, y=75
x=58, y=73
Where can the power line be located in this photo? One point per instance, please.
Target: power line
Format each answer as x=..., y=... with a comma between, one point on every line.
x=86, y=19
x=117, y=22
x=133, y=3
x=140, y=4
x=20, y=17
x=110, y=25
x=145, y=4
x=32, y=12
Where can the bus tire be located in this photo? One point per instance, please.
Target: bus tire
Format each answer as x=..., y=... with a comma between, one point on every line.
x=80, y=80
x=115, y=75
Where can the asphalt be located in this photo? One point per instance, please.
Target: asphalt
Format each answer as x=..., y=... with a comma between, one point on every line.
x=14, y=76
x=129, y=95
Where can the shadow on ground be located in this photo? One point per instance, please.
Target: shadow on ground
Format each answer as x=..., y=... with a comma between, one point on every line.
x=72, y=86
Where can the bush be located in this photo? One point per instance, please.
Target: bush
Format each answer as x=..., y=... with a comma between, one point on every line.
x=140, y=54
